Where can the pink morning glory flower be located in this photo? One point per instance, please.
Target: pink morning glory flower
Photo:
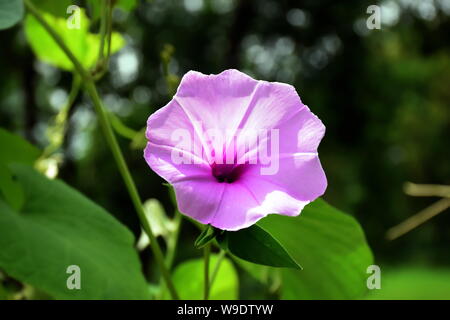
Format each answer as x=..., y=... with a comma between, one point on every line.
x=236, y=149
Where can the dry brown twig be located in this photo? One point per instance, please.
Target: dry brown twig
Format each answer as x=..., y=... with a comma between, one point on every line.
x=421, y=190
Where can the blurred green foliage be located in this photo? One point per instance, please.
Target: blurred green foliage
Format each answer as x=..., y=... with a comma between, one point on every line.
x=84, y=45
x=189, y=280
x=415, y=283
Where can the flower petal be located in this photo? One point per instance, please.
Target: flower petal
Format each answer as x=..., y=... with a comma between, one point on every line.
x=233, y=213
x=300, y=181
x=199, y=198
x=287, y=173
x=160, y=159
x=167, y=125
x=295, y=128
x=245, y=202
x=216, y=102
x=300, y=175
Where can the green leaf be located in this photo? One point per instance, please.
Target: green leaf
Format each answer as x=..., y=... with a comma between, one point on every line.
x=83, y=44
x=256, y=245
x=58, y=227
x=11, y=189
x=16, y=149
x=208, y=234
x=56, y=8
x=11, y=12
x=161, y=224
x=332, y=248
x=189, y=280
x=157, y=218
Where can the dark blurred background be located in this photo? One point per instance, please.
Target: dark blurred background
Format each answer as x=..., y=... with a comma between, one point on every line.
x=383, y=95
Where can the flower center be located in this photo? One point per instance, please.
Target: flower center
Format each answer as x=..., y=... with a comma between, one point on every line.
x=227, y=172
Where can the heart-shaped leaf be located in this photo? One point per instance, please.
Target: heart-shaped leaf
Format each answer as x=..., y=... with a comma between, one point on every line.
x=256, y=245
x=11, y=12
x=83, y=44
x=57, y=228
x=332, y=248
x=189, y=280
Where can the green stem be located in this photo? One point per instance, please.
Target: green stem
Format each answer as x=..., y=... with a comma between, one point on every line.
x=172, y=244
x=120, y=128
x=109, y=25
x=103, y=18
x=217, y=267
x=114, y=146
x=105, y=37
x=60, y=120
x=207, y=252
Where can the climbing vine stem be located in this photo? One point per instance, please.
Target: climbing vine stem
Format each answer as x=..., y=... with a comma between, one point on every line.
x=91, y=90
